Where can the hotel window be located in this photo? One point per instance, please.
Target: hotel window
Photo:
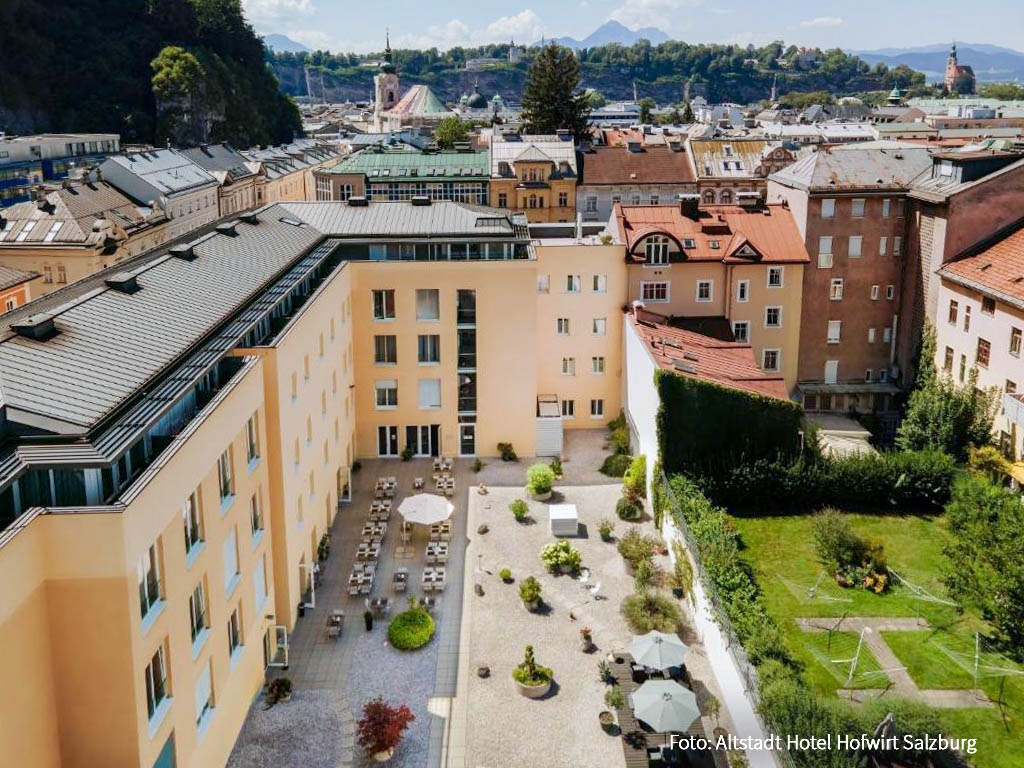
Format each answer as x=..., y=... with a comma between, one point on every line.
x=47, y=274
x=259, y=578
x=428, y=304
x=882, y=243
x=885, y=208
x=874, y=292
x=834, y=331
x=230, y=561
x=234, y=631
x=156, y=681
x=590, y=204
x=596, y=409
x=197, y=610
x=704, y=290
x=502, y=200
x=988, y=306
x=774, y=277
x=225, y=477
x=981, y=357
x=634, y=199
x=563, y=199
x=600, y=326
x=947, y=361
x=385, y=349
x=867, y=375
x=323, y=188
x=429, y=349
x=743, y=290
x=568, y=409
x=568, y=366
x=1015, y=341
x=741, y=331
x=572, y=283
x=562, y=326
x=600, y=283
x=967, y=317
x=149, y=579
x=890, y=292
x=855, y=246
x=689, y=242
x=346, y=191
x=871, y=335
x=193, y=522
x=429, y=394
x=655, y=199
x=204, y=695
x=384, y=304
x=825, y=252
x=256, y=515
x=770, y=359
x=773, y=317
x=62, y=275
x=597, y=365
x=543, y=283
x=828, y=208
x=897, y=245
x=387, y=394
x=835, y=290
x=656, y=249
x=654, y=292
x=252, y=446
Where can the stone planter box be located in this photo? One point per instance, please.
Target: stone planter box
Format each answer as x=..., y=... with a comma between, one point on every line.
x=383, y=757
x=541, y=496
x=531, y=606
x=533, y=691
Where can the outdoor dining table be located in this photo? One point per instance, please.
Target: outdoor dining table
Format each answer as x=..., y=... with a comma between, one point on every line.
x=441, y=532
x=334, y=623
x=400, y=579
x=371, y=552
x=437, y=552
x=434, y=578
x=374, y=529
x=360, y=581
x=380, y=605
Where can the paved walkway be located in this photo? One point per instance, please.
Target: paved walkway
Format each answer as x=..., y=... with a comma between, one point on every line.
x=583, y=451
x=902, y=684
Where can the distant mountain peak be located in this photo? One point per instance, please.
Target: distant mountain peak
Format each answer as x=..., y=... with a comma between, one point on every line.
x=284, y=44
x=612, y=32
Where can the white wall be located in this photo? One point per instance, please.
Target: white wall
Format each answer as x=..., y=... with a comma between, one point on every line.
x=639, y=397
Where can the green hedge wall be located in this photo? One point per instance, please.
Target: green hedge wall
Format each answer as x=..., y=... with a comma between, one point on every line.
x=704, y=428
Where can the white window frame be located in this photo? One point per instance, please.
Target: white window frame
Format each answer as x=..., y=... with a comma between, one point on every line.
x=383, y=316
x=772, y=325
x=883, y=244
x=825, y=252
x=835, y=289
x=572, y=283
x=656, y=250
x=834, y=333
x=597, y=365
x=428, y=403
x=600, y=283
x=569, y=409
x=568, y=366
x=710, y=284
x=597, y=408
x=385, y=386
x=855, y=246
x=428, y=305
x=774, y=271
x=874, y=293
x=855, y=203
x=745, y=324
x=561, y=326
x=599, y=326
x=764, y=359
x=654, y=284
x=742, y=291
x=828, y=208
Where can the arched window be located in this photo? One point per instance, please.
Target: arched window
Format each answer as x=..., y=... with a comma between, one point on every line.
x=656, y=249
x=709, y=195
x=725, y=197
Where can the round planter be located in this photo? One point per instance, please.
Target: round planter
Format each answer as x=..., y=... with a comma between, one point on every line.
x=532, y=605
x=533, y=691
x=607, y=720
x=562, y=568
x=586, y=645
x=541, y=496
x=286, y=697
x=383, y=757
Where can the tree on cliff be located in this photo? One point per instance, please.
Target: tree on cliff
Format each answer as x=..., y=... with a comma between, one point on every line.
x=551, y=98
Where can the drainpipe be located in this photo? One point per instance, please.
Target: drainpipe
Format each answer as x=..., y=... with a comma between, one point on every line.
x=892, y=341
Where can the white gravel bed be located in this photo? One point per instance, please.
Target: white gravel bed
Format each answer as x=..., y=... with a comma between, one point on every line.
x=304, y=732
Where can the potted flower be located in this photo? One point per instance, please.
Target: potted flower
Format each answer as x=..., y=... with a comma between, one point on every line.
x=561, y=557
x=556, y=467
x=532, y=680
x=529, y=593
x=607, y=720
x=614, y=700
x=539, y=482
x=381, y=727
x=606, y=528
x=586, y=638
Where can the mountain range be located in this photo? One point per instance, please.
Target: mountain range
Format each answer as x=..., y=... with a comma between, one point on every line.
x=283, y=44
x=612, y=32
x=991, y=63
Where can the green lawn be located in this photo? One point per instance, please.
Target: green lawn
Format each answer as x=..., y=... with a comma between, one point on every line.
x=781, y=552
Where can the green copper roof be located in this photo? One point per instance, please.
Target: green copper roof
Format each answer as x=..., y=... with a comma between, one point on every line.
x=405, y=166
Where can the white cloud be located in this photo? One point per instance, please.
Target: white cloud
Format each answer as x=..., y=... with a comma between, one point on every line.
x=744, y=39
x=316, y=39
x=525, y=26
x=822, y=21
x=264, y=13
x=663, y=14
x=452, y=33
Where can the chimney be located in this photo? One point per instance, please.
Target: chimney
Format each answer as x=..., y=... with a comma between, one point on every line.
x=688, y=205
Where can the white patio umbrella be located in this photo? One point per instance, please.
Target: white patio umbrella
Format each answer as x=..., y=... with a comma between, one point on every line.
x=665, y=706
x=658, y=650
x=425, y=508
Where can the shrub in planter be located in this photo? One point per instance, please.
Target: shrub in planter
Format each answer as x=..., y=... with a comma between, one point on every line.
x=614, y=699
x=381, y=727
x=561, y=556
x=279, y=689
x=682, y=572
x=519, y=509
x=618, y=422
x=615, y=465
x=620, y=440
x=411, y=629
x=634, y=481
x=635, y=547
x=587, y=638
x=539, y=480
x=323, y=549
x=629, y=507
x=507, y=452
x=407, y=453
x=606, y=528
x=505, y=575
x=647, y=575
x=604, y=673
x=556, y=466
x=531, y=674
x=644, y=611
x=529, y=591
x=477, y=465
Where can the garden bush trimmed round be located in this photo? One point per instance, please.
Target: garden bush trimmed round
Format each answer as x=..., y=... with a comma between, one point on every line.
x=411, y=629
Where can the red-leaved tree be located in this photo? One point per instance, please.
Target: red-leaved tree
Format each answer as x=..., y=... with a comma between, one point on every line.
x=381, y=726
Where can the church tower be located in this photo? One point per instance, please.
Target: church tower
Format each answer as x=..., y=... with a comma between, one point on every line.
x=385, y=87
x=952, y=68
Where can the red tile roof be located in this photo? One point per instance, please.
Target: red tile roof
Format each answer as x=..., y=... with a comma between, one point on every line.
x=652, y=165
x=687, y=353
x=770, y=232
x=996, y=269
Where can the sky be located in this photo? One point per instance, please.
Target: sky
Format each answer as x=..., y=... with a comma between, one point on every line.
x=356, y=25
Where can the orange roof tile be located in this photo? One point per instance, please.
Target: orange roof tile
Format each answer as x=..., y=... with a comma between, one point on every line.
x=652, y=165
x=997, y=269
x=718, y=233
x=688, y=353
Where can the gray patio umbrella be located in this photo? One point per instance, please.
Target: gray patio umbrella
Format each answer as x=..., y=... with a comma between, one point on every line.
x=658, y=650
x=665, y=706
x=425, y=508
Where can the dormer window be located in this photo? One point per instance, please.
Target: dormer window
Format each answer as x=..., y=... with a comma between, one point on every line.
x=656, y=249
x=946, y=168
x=714, y=244
x=689, y=243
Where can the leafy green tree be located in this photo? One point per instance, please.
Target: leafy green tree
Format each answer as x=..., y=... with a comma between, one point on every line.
x=672, y=117
x=450, y=132
x=942, y=415
x=985, y=555
x=596, y=99
x=551, y=98
x=1002, y=91
x=646, y=110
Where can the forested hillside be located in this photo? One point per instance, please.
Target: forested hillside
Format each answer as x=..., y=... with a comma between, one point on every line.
x=187, y=70
x=720, y=72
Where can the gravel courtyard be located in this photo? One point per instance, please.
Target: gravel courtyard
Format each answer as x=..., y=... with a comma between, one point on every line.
x=504, y=728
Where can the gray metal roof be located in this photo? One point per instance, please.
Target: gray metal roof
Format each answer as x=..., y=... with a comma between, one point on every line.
x=10, y=277
x=110, y=344
x=163, y=171
x=219, y=159
x=856, y=167
x=386, y=219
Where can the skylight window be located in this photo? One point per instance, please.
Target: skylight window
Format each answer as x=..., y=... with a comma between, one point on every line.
x=54, y=229
x=288, y=220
